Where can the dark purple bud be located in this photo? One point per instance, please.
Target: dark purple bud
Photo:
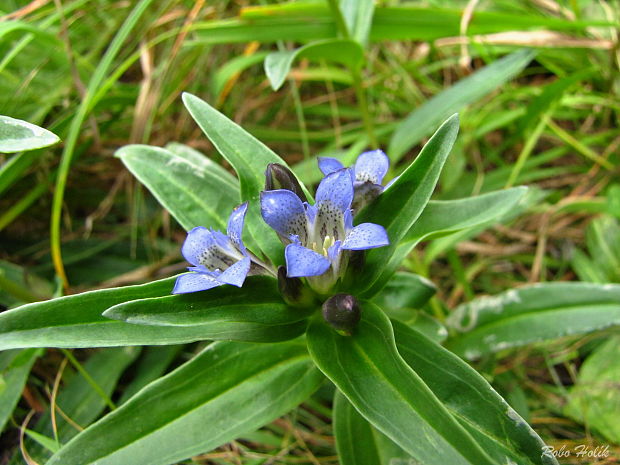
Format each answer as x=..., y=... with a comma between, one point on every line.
x=279, y=176
x=342, y=312
x=292, y=289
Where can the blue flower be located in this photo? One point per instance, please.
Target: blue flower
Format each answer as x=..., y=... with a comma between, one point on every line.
x=368, y=173
x=319, y=236
x=216, y=258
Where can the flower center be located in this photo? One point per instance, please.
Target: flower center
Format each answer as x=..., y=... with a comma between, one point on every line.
x=323, y=248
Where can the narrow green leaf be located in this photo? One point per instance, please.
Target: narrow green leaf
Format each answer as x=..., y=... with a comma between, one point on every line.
x=345, y=51
x=501, y=432
x=254, y=312
x=42, y=440
x=442, y=217
x=531, y=314
x=14, y=369
x=249, y=157
x=17, y=136
x=181, y=414
x=355, y=441
x=195, y=157
x=368, y=370
x=305, y=21
x=530, y=198
x=445, y=217
x=424, y=119
x=188, y=187
x=400, y=205
x=76, y=321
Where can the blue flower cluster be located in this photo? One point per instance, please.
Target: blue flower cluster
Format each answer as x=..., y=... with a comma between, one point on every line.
x=319, y=238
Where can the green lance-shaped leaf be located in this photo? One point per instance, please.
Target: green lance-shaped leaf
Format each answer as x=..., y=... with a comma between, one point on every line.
x=531, y=314
x=368, y=370
x=424, y=119
x=17, y=136
x=249, y=157
x=254, y=312
x=14, y=369
x=190, y=186
x=227, y=390
x=76, y=321
x=345, y=51
x=445, y=217
x=401, y=204
x=355, y=438
x=517, y=206
x=359, y=443
x=501, y=432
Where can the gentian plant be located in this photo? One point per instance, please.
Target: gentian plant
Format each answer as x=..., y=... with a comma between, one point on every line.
x=300, y=292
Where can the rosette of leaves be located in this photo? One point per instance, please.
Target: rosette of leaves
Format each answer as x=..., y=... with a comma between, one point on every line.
x=397, y=389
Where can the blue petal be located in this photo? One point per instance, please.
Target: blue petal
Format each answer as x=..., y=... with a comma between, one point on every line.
x=235, y=226
x=301, y=261
x=236, y=274
x=198, y=240
x=328, y=165
x=194, y=282
x=222, y=240
x=211, y=249
x=284, y=211
x=334, y=251
x=372, y=166
x=348, y=220
x=336, y=188
x=310, y=212
x=366, y=236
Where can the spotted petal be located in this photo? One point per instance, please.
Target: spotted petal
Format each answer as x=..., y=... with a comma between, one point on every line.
x=301, y=261
x=366, y=236
x=337, y=189
x=235, y=226
x=284, y=211
x=236, y=273
x=194, y=282
x=198, y=240
x=328, y=165
x=371, y=166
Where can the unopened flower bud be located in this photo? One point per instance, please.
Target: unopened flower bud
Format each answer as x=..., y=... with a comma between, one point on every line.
x=279, y=176
x=342, y=312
